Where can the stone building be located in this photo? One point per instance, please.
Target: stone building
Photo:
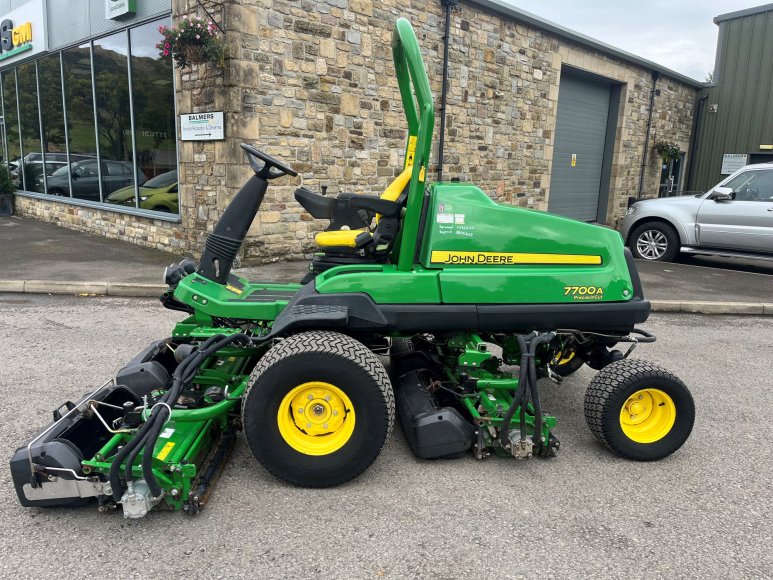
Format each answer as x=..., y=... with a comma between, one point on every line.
x=312, y=83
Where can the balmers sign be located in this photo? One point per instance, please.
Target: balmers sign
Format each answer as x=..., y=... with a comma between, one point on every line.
x=23, y=32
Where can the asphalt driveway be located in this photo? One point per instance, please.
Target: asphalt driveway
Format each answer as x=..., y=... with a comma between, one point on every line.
x=704, y=512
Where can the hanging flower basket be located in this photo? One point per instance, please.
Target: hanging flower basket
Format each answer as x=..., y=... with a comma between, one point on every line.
x=668, y=151
x=193, y=41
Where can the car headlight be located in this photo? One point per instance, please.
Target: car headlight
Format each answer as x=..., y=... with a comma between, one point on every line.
x=633, y=209
x=144, y=197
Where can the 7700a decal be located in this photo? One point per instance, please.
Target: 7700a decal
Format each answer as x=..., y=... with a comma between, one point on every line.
x=584, y=292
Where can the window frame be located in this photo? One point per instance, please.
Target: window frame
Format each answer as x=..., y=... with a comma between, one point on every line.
x=101, y=205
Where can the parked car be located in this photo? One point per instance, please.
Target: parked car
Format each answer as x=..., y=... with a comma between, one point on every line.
x=158, y=193
x=734, y=218
x=85, y=178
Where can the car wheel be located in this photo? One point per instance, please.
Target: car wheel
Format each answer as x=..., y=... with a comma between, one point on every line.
x=655, y=241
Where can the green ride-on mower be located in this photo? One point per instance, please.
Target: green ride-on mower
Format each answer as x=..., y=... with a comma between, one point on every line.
x=436, y=283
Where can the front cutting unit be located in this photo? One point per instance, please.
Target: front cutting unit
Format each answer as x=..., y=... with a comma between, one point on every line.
x=430, y=303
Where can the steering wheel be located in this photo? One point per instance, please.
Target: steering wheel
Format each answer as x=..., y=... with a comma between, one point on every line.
x=271, y=168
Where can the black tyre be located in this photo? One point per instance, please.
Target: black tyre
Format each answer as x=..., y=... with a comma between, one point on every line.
x=567, y=362
x=655, y=241
x=318, y=409
x=639, y=410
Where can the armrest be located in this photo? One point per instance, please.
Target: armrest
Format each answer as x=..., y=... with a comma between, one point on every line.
x=319, y=206
x=375, y=204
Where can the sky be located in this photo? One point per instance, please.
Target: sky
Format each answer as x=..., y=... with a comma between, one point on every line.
x=678, y=34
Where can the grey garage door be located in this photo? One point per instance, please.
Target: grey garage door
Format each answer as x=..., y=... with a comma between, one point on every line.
x=578, y=154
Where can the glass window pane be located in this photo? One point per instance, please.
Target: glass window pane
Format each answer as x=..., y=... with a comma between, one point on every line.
x=80, y=124
x=111, y=75
x=12, y=125
x=54, y=145
x=30, y=127
x=154, y=120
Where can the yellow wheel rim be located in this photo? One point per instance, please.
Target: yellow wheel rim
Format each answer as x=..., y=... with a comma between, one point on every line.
x=647, y=416
x=316, y=418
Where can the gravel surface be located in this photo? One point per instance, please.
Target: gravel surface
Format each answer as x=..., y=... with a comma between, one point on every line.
x=703, y=512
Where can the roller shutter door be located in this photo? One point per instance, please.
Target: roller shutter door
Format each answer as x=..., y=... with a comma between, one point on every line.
x=581, y=127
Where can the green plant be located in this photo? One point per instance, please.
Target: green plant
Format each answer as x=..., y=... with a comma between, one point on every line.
x=667, y=150
x=192, y=41
x=7, y=186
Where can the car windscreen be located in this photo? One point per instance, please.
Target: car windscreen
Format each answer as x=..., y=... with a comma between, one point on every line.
x=163, y=180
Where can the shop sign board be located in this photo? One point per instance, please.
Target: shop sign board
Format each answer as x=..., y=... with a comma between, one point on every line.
x=23, y=32
x=119, y=8
x=202, y=126
x=732, y=162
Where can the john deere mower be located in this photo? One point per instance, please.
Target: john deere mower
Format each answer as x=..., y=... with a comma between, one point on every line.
x=429, y=302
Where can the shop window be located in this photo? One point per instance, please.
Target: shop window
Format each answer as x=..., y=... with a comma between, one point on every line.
x=111, y=79
x=32, y=161
x=79, y=104
x=54, y=144
x=11, y=125
x=154, y=120
x=91, y=147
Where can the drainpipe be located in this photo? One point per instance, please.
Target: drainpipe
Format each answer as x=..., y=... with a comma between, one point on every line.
x=448, y=5
x=655, y=77
x=694, y=141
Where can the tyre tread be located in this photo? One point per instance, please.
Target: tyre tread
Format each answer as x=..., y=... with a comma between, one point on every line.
x=598, y=402
x=337, y=344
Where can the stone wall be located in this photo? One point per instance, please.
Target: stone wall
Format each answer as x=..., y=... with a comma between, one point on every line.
x=312, y=83
x=315, y=85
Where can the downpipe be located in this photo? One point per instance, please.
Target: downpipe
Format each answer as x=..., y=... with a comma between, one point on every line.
x=448, y=6
x=655, y=77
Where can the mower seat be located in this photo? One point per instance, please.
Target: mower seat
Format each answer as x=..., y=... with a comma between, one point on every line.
x=362, y=237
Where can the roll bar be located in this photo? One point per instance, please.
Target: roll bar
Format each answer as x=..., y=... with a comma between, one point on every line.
x=414, y=91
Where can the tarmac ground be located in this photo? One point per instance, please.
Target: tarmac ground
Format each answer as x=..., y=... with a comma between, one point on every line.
x=704, y=512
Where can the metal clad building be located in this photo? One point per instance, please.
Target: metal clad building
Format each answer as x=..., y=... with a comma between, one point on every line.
x=735, y=115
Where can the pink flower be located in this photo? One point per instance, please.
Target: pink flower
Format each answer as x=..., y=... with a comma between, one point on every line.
x=167, y=45
x=166, y=52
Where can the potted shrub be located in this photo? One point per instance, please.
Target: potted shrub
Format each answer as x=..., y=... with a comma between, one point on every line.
x=192, y=41
x=7, y=189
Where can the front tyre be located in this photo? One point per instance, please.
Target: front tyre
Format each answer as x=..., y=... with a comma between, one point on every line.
x=655, y=241
x=639, y=410
x=318, y=409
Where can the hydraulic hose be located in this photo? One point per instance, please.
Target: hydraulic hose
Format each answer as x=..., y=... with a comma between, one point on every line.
x=183, y=375
x=520, y=393
x=141, y=437
x=535, y=398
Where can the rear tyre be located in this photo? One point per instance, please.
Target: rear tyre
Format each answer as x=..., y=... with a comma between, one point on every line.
x=639, y=410
x=566, y=362
x=318, y=409
x=655, y=241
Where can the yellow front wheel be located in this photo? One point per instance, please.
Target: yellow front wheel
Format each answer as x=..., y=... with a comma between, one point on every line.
x=316, y=418
x=639, y=410
x=318, y=409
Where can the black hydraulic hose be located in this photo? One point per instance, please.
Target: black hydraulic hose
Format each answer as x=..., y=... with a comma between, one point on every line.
x=115, y=481
x=182, y=376
x=127, y=469
x=535, y=399
x=140, y=437
x=520, y=392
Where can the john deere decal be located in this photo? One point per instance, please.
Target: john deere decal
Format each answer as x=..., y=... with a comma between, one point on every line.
x=510, y=258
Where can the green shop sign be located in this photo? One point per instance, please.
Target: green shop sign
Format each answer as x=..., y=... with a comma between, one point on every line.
x=119, y=8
